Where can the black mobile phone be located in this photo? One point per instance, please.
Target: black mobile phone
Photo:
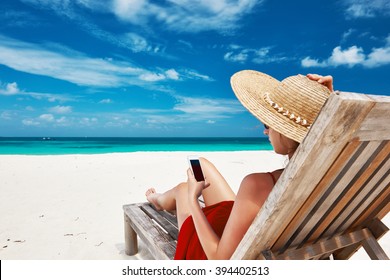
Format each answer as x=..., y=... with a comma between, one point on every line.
x=196, y=168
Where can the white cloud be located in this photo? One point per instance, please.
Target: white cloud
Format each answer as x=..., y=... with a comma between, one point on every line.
x=106, y=101
x=206, y=107
x=46, y=117
x=49, y=120
x=61, y=109
x=74, y=11
x=185, y=15
x=9, y=89
x=240, y=57
x=63, y=7
x=349, y=57
x=63, y=121
x=92, y=4
x=172, y=74
x=347, y=34
x=223, y=16
x=77, y=68
x=17, y=18
x=310, y=62
x=188, y=46
x=190, y=109
x=378, y=57
x=152, y=77
x=178, y=15
x=117, y=121
x=133, y=10
x=30, y=122
x=138, y=43
x=51, y=97
x=88, y=121
x=185, y=110
x=353, y=56
x=366, y=8
x=240, y=54
x=193, y=75
x=6, y=115
x=143, y=111
x=13, y=89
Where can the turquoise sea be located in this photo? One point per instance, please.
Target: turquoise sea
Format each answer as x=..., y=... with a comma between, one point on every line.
x=100, y=145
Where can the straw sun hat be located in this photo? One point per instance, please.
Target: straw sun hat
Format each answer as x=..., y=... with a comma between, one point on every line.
x=289, y=107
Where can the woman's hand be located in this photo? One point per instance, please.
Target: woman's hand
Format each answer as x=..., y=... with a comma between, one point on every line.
x=324, y=80
x=195, y=188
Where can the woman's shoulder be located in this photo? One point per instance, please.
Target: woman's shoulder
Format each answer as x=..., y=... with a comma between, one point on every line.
x=276, y=174
x=256, y=187
x=261, y=179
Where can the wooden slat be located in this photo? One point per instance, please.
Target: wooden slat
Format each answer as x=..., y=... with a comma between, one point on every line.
x=386, y=208
x=327, y=246
x=332, y=130
x=267, y=255
x=374, y=210
x=161, y=220
x=288, y=235
x=365, y=181
x=327, y=207
x=361, y=201
x=170, y=217
x=376, y=126
x=373, y=249
x=377, y=228
x=337, y=197
x=378, y=209
x=361, y=209
x=342, y=195
x=158, y=229
x=161, y=245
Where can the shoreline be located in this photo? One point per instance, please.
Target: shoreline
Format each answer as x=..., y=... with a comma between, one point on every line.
x=69, y=207
x=108, y=145
x=187, y=152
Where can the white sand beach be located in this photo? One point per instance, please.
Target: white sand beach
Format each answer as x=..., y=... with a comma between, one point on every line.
x=69, y=207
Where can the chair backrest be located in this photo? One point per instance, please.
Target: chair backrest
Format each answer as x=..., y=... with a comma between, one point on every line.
x=337, y=180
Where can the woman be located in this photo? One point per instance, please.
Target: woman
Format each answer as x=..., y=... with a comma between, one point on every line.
x=287, y=109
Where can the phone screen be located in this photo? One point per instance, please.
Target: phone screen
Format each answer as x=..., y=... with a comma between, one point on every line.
x=197, y=170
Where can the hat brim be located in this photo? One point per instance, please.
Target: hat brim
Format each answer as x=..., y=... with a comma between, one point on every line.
x=250, y=86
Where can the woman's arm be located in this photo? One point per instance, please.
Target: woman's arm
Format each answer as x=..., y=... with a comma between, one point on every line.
x=207, y=237
x=253, y=191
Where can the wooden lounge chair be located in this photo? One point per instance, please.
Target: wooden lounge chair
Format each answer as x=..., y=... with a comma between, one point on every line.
x=329, y=200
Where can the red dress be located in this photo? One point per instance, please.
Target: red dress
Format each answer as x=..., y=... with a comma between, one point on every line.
x=188, y=244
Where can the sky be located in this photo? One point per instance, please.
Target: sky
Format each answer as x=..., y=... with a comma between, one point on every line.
x=162, y=68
